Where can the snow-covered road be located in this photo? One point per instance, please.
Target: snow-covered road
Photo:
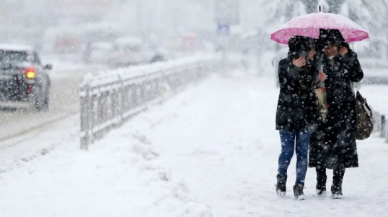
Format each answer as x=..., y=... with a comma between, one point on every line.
x=210, y=151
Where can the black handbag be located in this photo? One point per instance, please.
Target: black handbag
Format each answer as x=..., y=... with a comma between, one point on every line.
x=364, y=118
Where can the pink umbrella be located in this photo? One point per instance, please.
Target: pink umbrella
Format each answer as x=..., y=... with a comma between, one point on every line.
x=309, y=25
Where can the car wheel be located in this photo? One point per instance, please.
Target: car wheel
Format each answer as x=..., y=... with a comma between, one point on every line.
x=45, y=94
x=46, y=102
x=39, y=99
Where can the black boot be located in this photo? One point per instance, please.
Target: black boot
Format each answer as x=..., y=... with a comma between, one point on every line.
x=298, y=192
x=336, y=188
x=336, y=192
x=321, y=190
x=281, y=185
x=321, y=182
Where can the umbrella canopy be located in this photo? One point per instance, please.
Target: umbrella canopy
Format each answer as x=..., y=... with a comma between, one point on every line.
x=309, y=25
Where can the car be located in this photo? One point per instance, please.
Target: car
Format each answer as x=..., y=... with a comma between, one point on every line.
x=100, y=52
x=281, y=54
x=156, y=54
x=23, y=78
x=157, y=57
x=128, y=50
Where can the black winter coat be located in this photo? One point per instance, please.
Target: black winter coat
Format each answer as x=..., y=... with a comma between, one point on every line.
x=297, y=104
x=333, y=144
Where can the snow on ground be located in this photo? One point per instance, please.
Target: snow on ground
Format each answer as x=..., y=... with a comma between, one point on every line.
x=210, y=151
x=119, y=176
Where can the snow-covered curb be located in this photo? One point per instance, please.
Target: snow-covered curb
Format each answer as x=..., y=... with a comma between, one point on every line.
x=121, y=175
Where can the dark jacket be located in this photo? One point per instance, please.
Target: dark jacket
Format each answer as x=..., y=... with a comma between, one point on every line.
x=297, y=104
x=334, y=143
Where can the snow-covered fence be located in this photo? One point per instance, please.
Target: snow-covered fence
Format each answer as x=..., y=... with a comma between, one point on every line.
x=108, y=99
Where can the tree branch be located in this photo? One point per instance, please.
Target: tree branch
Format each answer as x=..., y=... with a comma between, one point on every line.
x=311, y=5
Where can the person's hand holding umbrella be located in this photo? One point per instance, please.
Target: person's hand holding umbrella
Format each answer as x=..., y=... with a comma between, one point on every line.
x=300, y=62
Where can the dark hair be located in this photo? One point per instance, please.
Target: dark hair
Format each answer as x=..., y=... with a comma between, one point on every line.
x=329, y=37
x=299, y=46
x=344, y=44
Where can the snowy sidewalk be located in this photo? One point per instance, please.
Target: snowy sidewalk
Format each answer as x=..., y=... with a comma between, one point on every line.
x=210, y=151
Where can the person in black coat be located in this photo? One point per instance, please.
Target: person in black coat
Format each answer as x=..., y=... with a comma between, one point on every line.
x=333, y=144
x=296, y=110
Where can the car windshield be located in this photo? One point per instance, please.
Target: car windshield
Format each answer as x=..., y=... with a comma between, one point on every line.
x=13, y=56
x=132, y=49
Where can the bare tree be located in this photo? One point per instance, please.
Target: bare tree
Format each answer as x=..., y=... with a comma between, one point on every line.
x=311, y=5
x=334, y=5
x=290, y=11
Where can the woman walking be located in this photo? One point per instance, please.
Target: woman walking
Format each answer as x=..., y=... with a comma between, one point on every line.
x=296, y=111
x=333, y=144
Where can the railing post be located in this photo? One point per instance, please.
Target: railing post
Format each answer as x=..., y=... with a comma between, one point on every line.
x=128, y=98
x=135, y=95
x=94, y=116
x=386, y=134
x=146, y=90
x=138, y=95
x=122, y=97
x=85, y=116
x=115, y=104
x=143, y=93
x=383, y=126
x=105, y=113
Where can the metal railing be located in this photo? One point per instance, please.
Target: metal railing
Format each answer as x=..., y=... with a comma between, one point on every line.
x=108, y=100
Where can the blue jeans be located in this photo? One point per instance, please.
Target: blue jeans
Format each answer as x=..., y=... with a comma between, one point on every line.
x=288, y=140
